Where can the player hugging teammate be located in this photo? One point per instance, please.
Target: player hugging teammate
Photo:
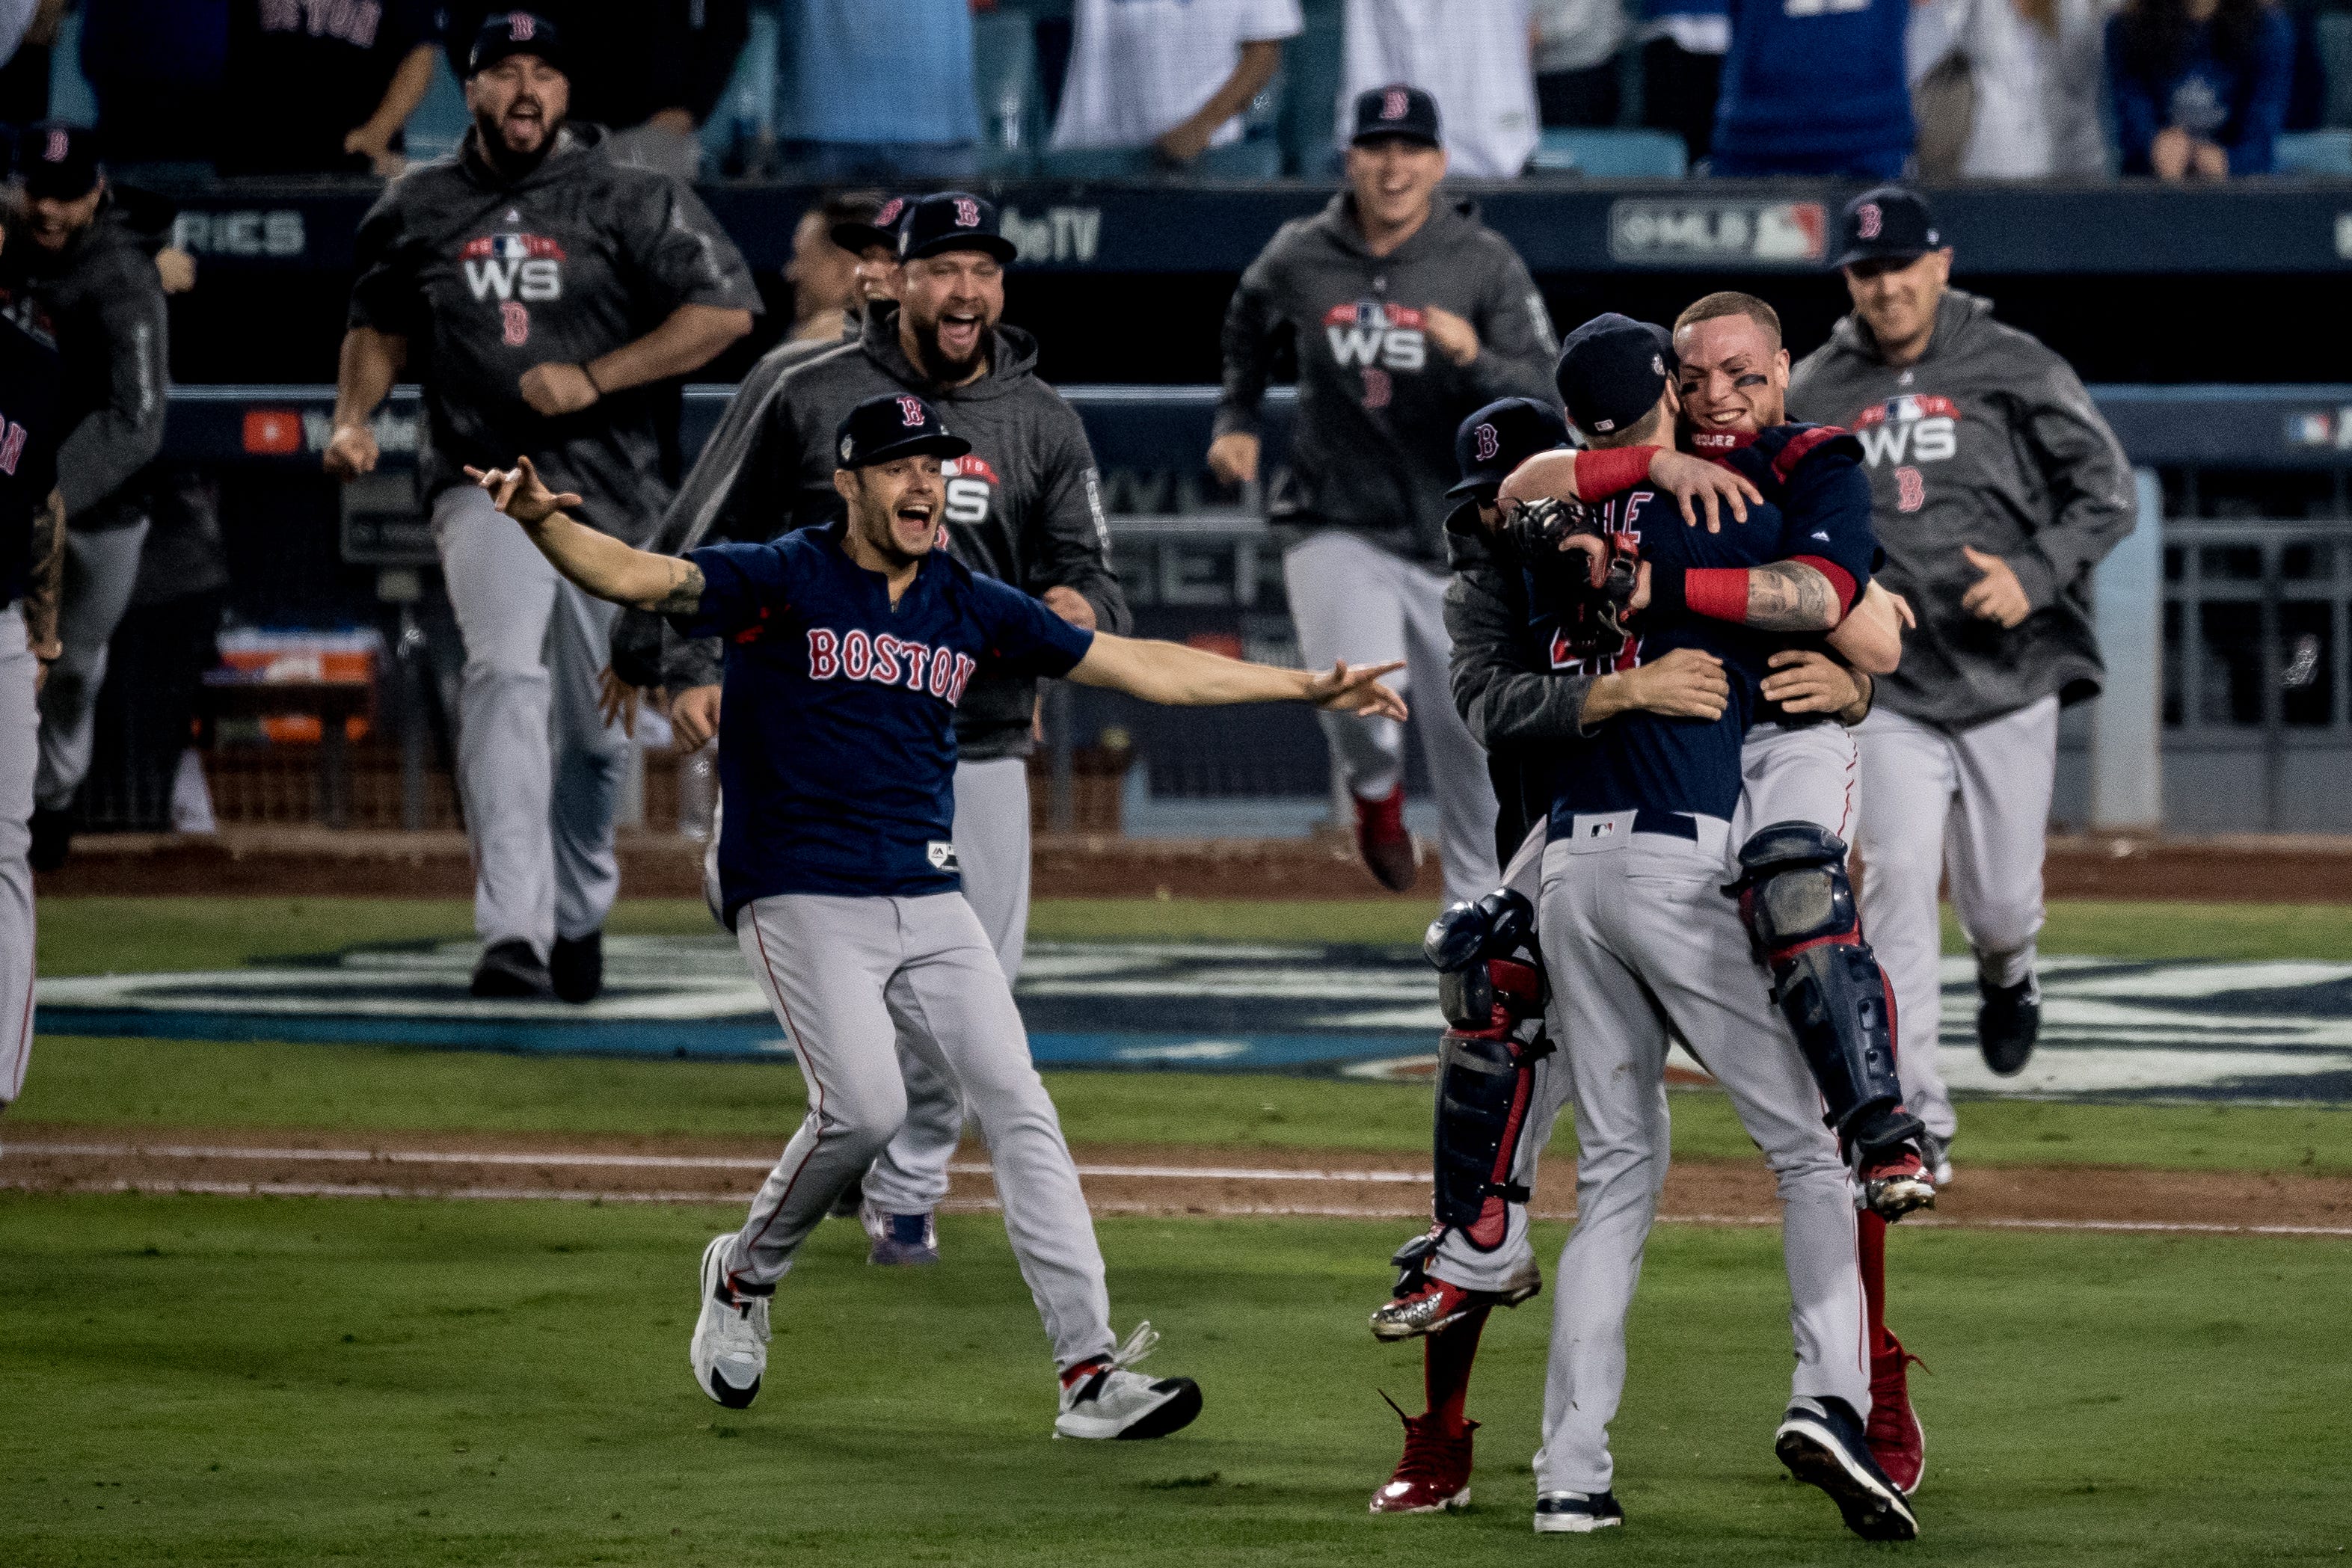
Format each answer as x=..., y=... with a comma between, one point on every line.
x=1675, y=687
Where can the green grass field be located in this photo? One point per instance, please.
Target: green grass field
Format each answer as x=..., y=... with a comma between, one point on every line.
x=294, y=1381
x=218, y=1381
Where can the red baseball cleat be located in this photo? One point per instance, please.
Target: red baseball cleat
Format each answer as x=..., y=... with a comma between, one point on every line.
x=1434, y=1474
x=1389, y=851
x=1435, y=1305
x=1896, y=1439
x=1895, y=1181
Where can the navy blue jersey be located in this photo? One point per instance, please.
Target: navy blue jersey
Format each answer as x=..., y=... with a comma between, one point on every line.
x=1816, y=509
x=836, y=739
x=31, y=420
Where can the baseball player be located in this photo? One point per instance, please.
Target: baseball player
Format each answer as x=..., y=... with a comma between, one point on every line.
x=1638, y=943
x=1998, y=488
x=1407, y=314
x=849, y=647
x=83, y=267
x=1476, y=1257
x=551, y=288
x=1024, y=506
x=34, y=413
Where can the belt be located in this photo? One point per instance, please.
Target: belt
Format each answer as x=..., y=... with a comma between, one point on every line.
x=1672, y=824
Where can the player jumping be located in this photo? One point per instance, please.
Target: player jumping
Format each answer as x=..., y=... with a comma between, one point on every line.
x=848, y=648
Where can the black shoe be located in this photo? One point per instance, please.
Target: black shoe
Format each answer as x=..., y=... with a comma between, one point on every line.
x=576, y=967
x=52, y=838
x=2007, y=1023
x=511, y=971
x=1821, y=1442
x=1575, y=1513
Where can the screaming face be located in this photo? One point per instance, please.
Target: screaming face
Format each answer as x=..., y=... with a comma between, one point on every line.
x=1735, y=376
x=948, y=304
x=895, y=506
x=519, y=104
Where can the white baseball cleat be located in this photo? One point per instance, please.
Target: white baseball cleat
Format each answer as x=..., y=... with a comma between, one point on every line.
x=1101, y=1398
x=729, y=1352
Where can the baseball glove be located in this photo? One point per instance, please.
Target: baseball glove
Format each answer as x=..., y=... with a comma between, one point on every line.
x=1581, y=573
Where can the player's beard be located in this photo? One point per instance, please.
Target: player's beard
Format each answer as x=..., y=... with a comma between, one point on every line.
x=508, y=163
x=932, y=359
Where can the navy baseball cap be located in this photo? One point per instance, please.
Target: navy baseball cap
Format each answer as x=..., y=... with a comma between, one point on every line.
x=882, y=228
x=1612, y=371
x=1395, y=110
x=952, y=220
x=58, y=160
x=1498, y=438
x=893, y=425
x=514, y=32
x=1889, y=223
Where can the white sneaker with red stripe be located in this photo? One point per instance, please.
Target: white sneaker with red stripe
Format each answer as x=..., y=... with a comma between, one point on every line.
x=1102, y=1399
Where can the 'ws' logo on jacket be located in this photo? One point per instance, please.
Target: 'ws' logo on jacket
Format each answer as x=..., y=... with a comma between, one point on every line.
x=1917, y=429
x=972, y=488
x=1371, y=333
x=513, y=266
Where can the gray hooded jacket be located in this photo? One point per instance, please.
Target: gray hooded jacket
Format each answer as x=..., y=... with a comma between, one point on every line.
x=1372, y=450
x=1988, y=441
x=1024, y=506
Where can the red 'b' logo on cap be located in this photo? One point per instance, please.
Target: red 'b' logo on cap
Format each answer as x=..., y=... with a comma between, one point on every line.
x=1393, y=103
x=52, y=150
x=1489, y=445
x=519, y=27
x=967, y=212
x=1869, y=221
x=910, y=413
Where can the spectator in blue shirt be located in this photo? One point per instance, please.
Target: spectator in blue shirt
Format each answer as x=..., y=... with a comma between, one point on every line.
x=1815, y=88
x=876, y=90
x=2200, y=86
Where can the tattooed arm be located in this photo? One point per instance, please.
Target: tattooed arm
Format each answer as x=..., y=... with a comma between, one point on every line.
x=44, y=581
x=596, y=563
x=1787, y=597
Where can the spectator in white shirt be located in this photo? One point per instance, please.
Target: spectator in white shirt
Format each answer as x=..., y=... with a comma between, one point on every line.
x=1471, y=55
x=1170, y=76
x=2036, y=66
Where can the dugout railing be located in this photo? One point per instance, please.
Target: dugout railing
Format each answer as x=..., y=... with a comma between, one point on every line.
x=2225, y=617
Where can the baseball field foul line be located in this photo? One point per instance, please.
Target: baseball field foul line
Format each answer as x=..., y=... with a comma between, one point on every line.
x=1203, y=1208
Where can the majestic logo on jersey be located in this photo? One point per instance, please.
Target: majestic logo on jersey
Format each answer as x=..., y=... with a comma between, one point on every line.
x=1373, y=334
x=513, y=266
x=971, y=488
x=888, y=661
x=1918, y=429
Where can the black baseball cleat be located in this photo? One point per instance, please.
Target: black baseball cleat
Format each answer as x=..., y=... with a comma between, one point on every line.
x=1821, y=1442
x=52, y=839
x=1575, y=1513
x=576, y=967
x=510, y=971
x=2007, y=1022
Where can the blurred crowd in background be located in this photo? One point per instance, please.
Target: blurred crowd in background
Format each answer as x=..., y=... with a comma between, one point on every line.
x=917, y=90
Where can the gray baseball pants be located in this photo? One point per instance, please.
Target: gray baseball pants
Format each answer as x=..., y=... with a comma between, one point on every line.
x=1805, y=773
x=1352, y=600
x=101, y=571
x=1972, y=805
x=20, y=728
x=992, y=840
x=539, y=771
x=1639, y=943
x=847, y=976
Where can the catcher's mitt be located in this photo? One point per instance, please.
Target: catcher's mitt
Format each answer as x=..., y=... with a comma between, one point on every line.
x=1581, y=573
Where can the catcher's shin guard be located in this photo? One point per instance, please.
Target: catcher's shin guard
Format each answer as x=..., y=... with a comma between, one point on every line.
x=1799, y=908
x=1491, y=990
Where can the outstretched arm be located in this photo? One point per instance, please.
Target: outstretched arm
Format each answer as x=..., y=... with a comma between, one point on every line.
x=1698, y=486
x=595, y=563
x=1177, y=677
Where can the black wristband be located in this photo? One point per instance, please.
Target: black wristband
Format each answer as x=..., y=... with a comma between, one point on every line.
x=1667, y=590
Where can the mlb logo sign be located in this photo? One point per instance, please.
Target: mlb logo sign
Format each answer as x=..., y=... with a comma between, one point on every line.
x=272, y=431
